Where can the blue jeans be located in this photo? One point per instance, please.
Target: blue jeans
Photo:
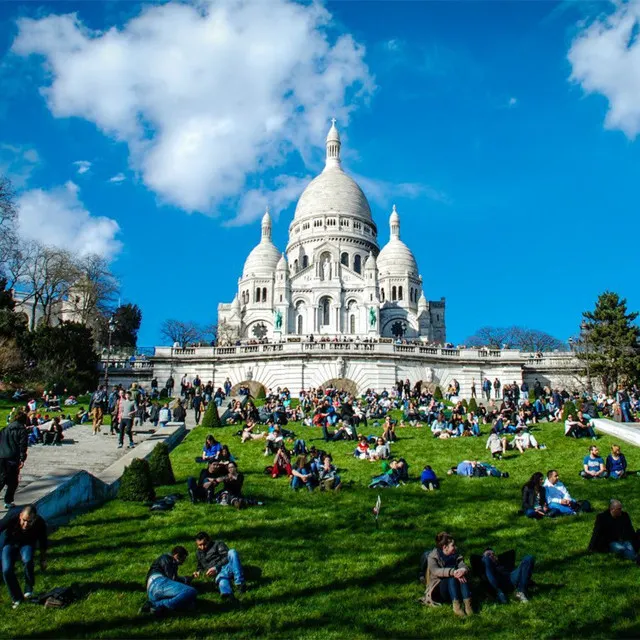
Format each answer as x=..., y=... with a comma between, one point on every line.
x=561, y=510
x=233, y=568
x=170, y=594
x=452, y=589
x=297, y=483
x=518, y=578
x=9, y=556
x=624, y=549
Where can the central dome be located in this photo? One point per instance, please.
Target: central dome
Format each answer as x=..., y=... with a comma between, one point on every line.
x=332, y=192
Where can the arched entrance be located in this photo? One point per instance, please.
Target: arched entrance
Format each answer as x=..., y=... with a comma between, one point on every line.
x=256, y=389
x=341, y=384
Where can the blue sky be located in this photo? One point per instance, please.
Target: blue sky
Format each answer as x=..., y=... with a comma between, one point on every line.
x=505, y=133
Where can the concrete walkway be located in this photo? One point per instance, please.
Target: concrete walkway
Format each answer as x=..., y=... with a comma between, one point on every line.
x=49, y=468
x=627, y=431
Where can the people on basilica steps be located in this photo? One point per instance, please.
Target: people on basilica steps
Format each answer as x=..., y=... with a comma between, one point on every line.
x=593, y=466
x=214, y=560
x=446, y=576
x=166, y=591
x=616, y=463
x=505, y=578
x=534, y=497
x=20, y=534
x=614, y=533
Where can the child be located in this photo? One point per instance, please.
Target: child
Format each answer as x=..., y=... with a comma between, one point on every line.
x=362, y=450
x=428, y=479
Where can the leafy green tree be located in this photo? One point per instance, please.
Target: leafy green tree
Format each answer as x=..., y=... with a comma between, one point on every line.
x=127, y=319
x=609, y=342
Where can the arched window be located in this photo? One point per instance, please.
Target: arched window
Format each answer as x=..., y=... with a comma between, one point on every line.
x=393, y=293
x=344, y=259
x=299, y=324
x=257, y=294
x=399, y=292
x=325, y=311
x=382, y=295
x=357, y=263
x=352, y=323
x=296, y=268
x=264, y=294
x=305, y=262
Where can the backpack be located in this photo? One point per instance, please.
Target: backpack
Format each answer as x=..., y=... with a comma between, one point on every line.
x=59, y=597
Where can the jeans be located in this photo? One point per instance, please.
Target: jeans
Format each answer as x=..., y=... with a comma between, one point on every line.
x=170, y=594
x=9, y=477
x=518, y=578
x=452, y=589
x=125, y=425
x=298, y=483
x=625, y=410
x=624, y=549
x=561, y=510
x=197, y=412
x=9, y=557
x=233, y=568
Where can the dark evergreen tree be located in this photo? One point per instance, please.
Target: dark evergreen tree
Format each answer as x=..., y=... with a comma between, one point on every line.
x=211, y=419
x=160, y=465
x=136, y=484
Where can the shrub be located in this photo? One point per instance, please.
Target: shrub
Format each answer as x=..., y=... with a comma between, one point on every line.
x=568, y=409
x=261, y=395
x=465, y=404
x=532, y=395
x=473, y=406
x=136, y=484
x=437, y=394
x=211, y=419
x=160, y=465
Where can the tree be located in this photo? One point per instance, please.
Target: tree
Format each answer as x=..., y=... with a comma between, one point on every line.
x=8, y=220
x=160, y=465
x=183, y=333
x=609, y=343
x=127, y=319
x=211, y=418
x=136, y=484
x=531, y=340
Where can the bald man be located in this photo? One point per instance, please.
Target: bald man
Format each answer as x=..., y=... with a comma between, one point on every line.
x=614, y=533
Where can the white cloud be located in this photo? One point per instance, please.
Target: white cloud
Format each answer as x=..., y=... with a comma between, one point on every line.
x=512, y=102
x=18, y=162
x=119, y=177
x=384, y=193
x=394, y=44
x=204, y=95
x=82, y=166
x=605, y=59
x=58, y=218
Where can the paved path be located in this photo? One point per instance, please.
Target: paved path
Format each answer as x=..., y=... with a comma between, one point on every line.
x=49, y=466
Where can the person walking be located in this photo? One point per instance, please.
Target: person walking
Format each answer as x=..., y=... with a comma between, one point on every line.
x=98, y=406
x=197, y=406
x=14, y=440
x=125, y=417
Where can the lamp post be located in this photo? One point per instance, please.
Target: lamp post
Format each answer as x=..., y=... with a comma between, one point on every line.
x=111, y=327
x=584, y=333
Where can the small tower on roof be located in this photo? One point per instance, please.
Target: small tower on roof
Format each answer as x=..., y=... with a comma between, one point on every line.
x=266, y=225
x=333, y=146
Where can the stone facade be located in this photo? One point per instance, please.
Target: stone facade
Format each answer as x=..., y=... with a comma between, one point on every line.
x=333, y=279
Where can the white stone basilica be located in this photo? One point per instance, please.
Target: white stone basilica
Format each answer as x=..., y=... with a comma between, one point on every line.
x=333, y=279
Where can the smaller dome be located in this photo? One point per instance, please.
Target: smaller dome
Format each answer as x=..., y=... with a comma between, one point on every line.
x=333, y=135
x=422, y=301
x=396, y=258
x=282, y=263
x=263, y=259
x=235, y=305
x=370, y=262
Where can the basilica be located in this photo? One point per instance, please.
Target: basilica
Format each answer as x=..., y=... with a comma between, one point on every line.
x=333, y=279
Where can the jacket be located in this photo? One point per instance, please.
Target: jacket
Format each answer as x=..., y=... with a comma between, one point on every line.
x=217, y=555
x=14, y=440
x=166, y=565
x=608, y=529
x=11, y=533
x=432, y=566
x=179, y=414
x=529, y=498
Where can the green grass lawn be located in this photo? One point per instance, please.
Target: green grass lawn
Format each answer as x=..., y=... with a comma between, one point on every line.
x=326, y=572
x=7, y=404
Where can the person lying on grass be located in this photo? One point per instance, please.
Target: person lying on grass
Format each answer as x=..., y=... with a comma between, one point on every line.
x=534, y=497
x=593, y=466
x=614, y=533
x=166, y=591
x=475, y=469
x=559, y=499
x=503, y=578
x=216, y=561
x=446, y=577
x=394, y=473
x=616, y=463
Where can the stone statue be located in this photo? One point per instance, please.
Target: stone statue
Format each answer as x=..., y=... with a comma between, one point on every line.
x=342, y=367
x=428, y=375
x=372, y=317
x=278, y=321
x=326, y=270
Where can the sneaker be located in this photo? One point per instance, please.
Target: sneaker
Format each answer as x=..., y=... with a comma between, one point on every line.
x=431, y=487
x=28, y=594
x=9, y=505
x=424, y=487
x=119, y=446
x=518, y=595
x=16, y=604
x=502, y=599
x=131, y=445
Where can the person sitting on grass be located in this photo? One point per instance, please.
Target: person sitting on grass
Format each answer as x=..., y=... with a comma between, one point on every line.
x=328, y=477
x=302, y=475
x=475, y=469
x=211, y=449
x=559, y=499
x=389, y=430
x=166, y=591
x=362, y=449
x=382, y=450
x=523, y=440
x=53, y=435
x=274, y=441
x=446, y=577
x=616, y=463
x=593, y=465
x=575, y=429
x=203, y=490
x=439, y=426
x=534, y=497
x=428, y=479
x=248, y=432
x=496, y=444
x=614, y=533
x=20, y=534
x=503, y=579
x=281, y=464
x=215, y=560
x=231, y=493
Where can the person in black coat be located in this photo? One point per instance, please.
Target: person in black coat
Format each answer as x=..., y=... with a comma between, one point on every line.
x=614, y=533
x=14, y=441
